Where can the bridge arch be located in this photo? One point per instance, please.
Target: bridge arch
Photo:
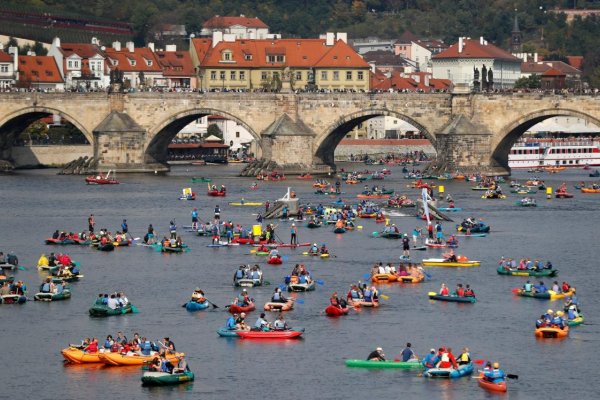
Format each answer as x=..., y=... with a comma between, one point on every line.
x=23, y=117
x=328, y=139
x=509, y=134
x=161, y=135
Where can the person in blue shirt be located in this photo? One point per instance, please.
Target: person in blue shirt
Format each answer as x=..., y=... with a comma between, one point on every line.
x=124, y=227
x=231, y=325
x=195, y=219
x=408, y=353
x=541, y=288
x=173, y=230
x=430, y=360
x=495, y=374
x=261, y=323
x=541, y=322
x=145, y=347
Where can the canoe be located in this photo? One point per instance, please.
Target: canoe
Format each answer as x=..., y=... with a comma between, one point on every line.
x=549, y=295
x=66, y=294
x=118, y=359
x=577, y=321
x=456, y=299
x=384, y=364
x=439, y=262
x=104, y=311
x=247, y=282
x=333, y=311
x=589, y=190
x=463, y=370
x=58, y=241
x=246, y=203
x=384, y=278
x=492, y=386
x=274, y=260
x=301, y=287
x=262, y=253
x=339, y=230
x=13, y=299
x=78, y=356
x=235, y=309
x=548, y=332
x=272, y=334
x=154, y=378
x=195, y=306
x=224, y=332
x=275, y=306
x=197, y=180
x=526, y=272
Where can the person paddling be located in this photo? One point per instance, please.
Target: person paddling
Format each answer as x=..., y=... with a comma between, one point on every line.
x=376, y=355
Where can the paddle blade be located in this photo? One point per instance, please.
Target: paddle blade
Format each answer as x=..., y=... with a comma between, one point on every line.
x=21, y=268
x=282, y=286
x=516, y=290
x=432, y=294
x=427, y=275
x=366, y=276
x=320, y=282
x=284, y=258
x=385, y=297
x=512, y=376
x=305, y=253
x=267, y=283
x=375, y=234
x=479, y=362
x=299, y=301
x=134, y=309
x=184, y=305
x=253, y=251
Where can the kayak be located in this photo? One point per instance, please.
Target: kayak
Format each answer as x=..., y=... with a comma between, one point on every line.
x=589, y=190
x=456, y=299
x=246, y=203
x=262, y=253
x=324, y=255
x=476, y=235
x=247, y=282
x=478, y=228
x=273, y=334
x=197, y=180
x=384, y=364
x=65, y=294
x=224, y=332
x=155, y=378
x=104, y=311
x=292, y=246
x=384, y=278
x=119, y=359
x=274, y=260
x=525, y=272
x=235, y=309
x=440, y=262
x=195, y=306
x=78, y=356
x=276, y=306
x=549, y=332
x=463, y=370
x=577, y=321
x=499, y=386
x=333, y=311
x=549, y=295
x=301, y=287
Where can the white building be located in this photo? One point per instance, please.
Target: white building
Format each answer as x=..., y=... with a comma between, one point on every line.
x=234, y=134
x=242, y=27
x=459, y=61
x=8, y=67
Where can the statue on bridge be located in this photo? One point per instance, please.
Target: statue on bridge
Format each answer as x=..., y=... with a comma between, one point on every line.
x=490, y=79
x=484, y=84
x=476, y=83
x=116, y=80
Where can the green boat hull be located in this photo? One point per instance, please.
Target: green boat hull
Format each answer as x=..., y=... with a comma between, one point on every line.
x=66, y=294
x=383, y=364
x=542, y=273
x=162, y=378
x=105, y=311
x=577, y=321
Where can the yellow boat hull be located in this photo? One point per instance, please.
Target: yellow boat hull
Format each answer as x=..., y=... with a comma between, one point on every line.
x=118, y=359
x=458, y=264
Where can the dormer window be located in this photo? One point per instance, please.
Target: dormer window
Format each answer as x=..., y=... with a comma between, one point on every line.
x=132, y=63
x=149, y=63
x=275, y=58
x=114, y=62
x=226, y=55
x=248, y=57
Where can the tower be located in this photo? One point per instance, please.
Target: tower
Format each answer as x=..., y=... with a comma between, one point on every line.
x=516, y=38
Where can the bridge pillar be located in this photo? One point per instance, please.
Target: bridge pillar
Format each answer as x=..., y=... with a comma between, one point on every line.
x=464, y=147
x=119, y=145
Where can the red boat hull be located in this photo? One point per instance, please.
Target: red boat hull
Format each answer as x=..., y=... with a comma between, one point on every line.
x=274, y=261
x=237, y=309
x=333, y=311
x=216, y=193
x=270, y=334
x=90, y=180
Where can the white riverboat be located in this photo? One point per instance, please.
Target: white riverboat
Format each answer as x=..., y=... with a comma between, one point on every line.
x=554, y=153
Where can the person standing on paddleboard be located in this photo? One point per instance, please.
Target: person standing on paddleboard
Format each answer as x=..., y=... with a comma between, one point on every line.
x=91, y=223
x=294, y=233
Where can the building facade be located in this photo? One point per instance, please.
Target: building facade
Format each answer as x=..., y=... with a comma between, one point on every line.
x=241, y=27
x=82, y=65
x=8, y=67
x=139, y=66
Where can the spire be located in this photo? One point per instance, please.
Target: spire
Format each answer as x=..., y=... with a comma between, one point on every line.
x=516, y=38
x=516, y=25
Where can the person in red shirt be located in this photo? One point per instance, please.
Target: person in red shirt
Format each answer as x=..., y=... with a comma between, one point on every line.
x=565, y=287
x=92, y=347
x=460, y=291
x=444, y=290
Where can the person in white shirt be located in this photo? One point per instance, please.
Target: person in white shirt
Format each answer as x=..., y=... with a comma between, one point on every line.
x=113, y=303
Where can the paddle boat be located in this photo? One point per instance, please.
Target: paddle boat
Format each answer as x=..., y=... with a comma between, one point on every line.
x=101, y=180
x=65, y=294
x=101, y=310
x=463, y=370
x=118, y=359
x=548, y=295
x=372, y=364
x=76, y=355
x=527, y=272
x=441, y=262
x=333, y=311
x=272, y=334
x=493, y=386
x=156, y=378
x=456, y=299
x=276, y=306
x=196, y=306
x=235, y=309
x=552, y=332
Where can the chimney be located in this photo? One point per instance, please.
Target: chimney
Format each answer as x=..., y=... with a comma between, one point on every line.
x=485, y=42
x=171, y=47
x=229, y=37
x=461, y=44
x=56, y=42
x=14, y=50
x=130, y=47
x=480, y=39
x=151, y=46
x=343, y=36
x=217, y=38
x=329, y=39
x=117, y=46
x=535, y=57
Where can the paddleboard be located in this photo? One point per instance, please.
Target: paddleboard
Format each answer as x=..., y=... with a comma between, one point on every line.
x=419, y=248
x=448, y=209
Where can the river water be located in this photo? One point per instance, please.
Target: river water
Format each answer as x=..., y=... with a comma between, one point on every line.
x=498, y=327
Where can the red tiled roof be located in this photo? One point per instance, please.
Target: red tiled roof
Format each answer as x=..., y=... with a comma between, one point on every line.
x=299, y=53
x=440, y=84
x=534, y=68
x=175, y=63
x=141, y=55
x=5, y=57
x=544, y=66
x=202, y=47
x=553, y=72
x=83, y=50
x=575, y=61
x=407, y=37
x=42, y=69
x=378, y=80
x=474, y=49
x=218, y=22
x=197, y=145
x=563, y=67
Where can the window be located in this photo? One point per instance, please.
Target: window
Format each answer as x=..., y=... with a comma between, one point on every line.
x=232, y=76
x=132, y=63
x=323, y=75
x=336, y=75
x=248, y=57
x=226, y=56
x=115, y=62
x=276, y=59
x=222, y=75
x=70, y=64
x=213, y=75
x=360, y=75
x=348, y=75
x=298, y=76
x=237, y=135
x=242, y=75
x=264, y=76
x=3, y=68
x=149, y=63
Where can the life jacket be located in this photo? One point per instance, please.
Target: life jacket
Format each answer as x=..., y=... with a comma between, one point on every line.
x=528, y=287
x=444, y=291
x=460, y=292
x=334, y=301
x=354, y=294
x=239, y=274
x=464, y=357
x=469, y=292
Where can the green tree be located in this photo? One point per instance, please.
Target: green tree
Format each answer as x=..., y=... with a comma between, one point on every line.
x=34, y=132
x=531, y=82
x=214, y=130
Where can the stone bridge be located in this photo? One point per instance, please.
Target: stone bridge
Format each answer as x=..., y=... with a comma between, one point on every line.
x=131, y=132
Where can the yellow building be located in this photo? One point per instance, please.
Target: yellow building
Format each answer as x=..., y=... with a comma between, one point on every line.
x=227, y=63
